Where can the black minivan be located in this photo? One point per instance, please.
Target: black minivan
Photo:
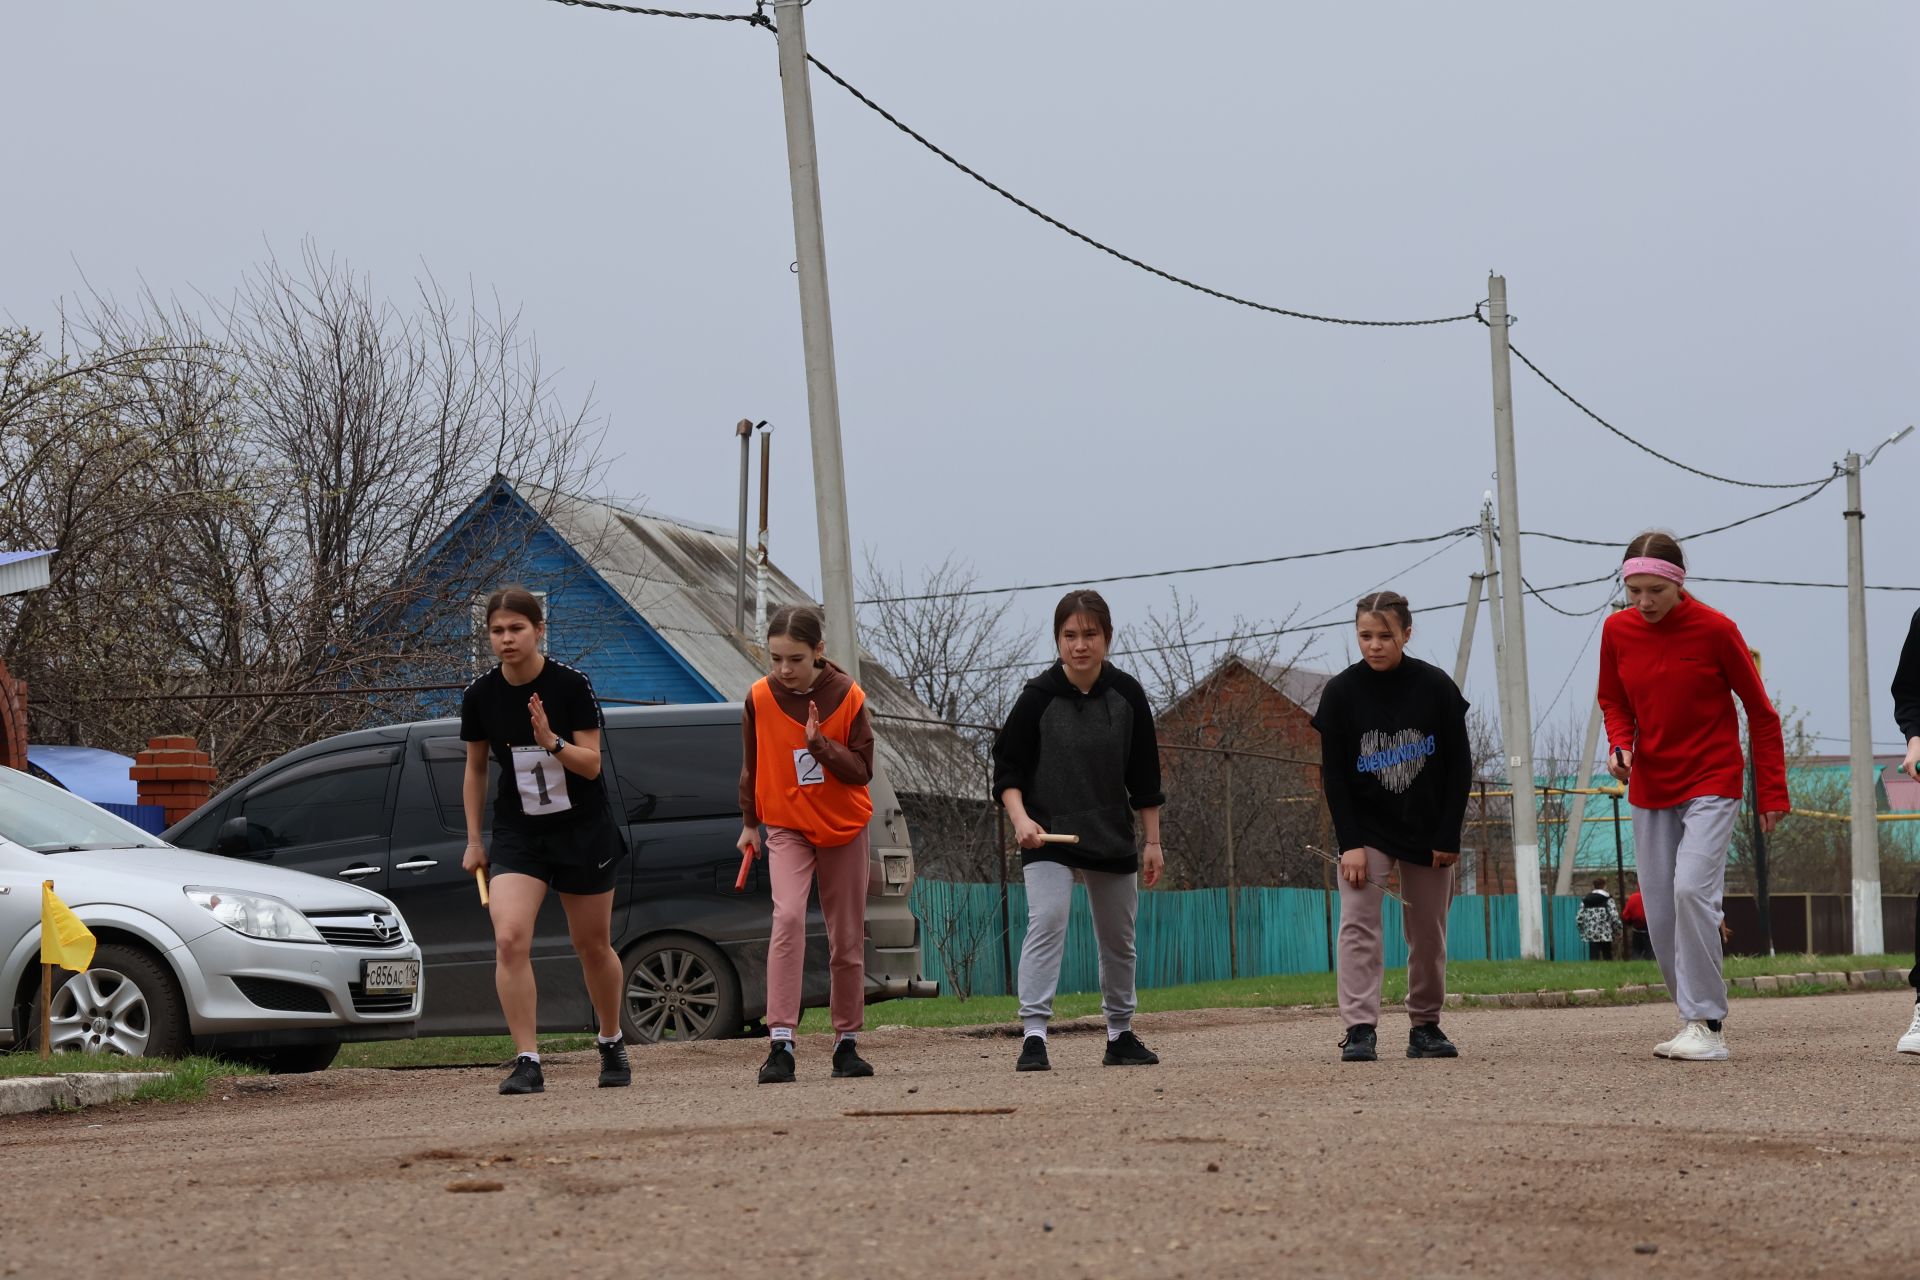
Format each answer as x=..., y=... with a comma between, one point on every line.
x=382, y=808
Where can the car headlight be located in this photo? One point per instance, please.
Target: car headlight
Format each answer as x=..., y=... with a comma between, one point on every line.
x=255, y=914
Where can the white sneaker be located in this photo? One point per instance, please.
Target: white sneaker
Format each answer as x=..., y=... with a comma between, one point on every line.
x=1698, y=1043
x=1910, y=1042
x=1665, y=1048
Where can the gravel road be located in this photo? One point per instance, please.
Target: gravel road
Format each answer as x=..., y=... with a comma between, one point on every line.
x=1556, y=1146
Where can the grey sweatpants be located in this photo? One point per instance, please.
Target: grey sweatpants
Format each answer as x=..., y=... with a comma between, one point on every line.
x=1115, y=899
x=1682, y=857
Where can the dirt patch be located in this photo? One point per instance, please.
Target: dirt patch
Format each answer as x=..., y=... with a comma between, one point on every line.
x=1556, y=1145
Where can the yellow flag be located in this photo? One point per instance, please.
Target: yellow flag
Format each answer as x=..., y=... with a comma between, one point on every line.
x=63, y=939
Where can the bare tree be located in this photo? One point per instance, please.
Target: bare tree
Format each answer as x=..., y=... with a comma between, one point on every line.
x=253, y=503
x=1241, y=763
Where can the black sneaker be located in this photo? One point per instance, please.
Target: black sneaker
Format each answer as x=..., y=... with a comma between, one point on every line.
x=526, y=1077
x=1125, y=1050
x=615, y=1071
x=1033, y=1055
x=847, y=1062
x=1358, y=1045
x=1427, y=1040
x=778, y=1068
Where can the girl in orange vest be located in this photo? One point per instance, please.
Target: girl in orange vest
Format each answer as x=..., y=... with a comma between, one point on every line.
x=807, y=751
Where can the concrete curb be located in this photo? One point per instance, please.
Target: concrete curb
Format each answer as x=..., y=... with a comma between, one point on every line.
x=1830, y=980
x=72, y=1091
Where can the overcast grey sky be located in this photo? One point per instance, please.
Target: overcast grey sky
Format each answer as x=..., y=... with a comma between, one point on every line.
x=1705, y=214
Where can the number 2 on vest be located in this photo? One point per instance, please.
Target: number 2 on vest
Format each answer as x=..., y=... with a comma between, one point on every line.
x=807, y=769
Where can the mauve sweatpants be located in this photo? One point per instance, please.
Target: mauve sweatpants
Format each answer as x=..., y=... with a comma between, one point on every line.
x=1428, y=892
x=792, y=865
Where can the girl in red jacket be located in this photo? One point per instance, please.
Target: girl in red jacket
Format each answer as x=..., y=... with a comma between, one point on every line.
x=1670, y=668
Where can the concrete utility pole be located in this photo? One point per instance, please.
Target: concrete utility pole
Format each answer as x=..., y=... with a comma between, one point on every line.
x=1490, y=571
x=1577, y=811
x=816, y=335
x=1868, y=934
x=1516, y=715
x=1464, y=654
x=743, y=429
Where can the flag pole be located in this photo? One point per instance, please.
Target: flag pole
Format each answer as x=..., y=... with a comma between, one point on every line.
x=46, y=987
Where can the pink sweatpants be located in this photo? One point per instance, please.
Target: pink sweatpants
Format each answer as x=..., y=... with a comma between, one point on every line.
x=792, y=864
x=1428, y=892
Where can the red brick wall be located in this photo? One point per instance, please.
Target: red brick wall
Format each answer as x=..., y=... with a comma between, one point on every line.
x=13, y=721
x=174, y=774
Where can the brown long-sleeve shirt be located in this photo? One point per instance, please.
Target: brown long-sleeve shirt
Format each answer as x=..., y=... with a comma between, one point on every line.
x=851, y=763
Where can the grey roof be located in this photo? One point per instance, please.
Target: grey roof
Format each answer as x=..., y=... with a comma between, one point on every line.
x=679, y=576
x=1298, y=685
x=22, y=571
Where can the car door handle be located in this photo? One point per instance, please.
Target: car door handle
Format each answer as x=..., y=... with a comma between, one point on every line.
x=418, y=864
x=359, y=873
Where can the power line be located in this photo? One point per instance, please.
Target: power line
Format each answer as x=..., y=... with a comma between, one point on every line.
x=1809, y=496
x=1569, y=397
x=752, y=19
x=1169, y=573
x=1779, y=582
x=1103, y=247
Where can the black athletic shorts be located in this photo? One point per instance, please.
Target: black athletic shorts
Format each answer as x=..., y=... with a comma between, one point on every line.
x=576, y=857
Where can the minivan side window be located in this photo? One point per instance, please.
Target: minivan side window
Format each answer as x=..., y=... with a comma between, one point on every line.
x=677, y=771
x=447, y=769
x=323, y=801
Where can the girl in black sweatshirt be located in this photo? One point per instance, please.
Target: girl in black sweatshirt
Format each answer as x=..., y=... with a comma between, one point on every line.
x=1077, y=757
x=1906, y=711
x=1397, y=769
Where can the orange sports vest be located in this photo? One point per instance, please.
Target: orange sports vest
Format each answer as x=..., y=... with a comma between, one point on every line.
x=792, y=789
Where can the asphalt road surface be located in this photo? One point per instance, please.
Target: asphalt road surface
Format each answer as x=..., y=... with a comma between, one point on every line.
x=1556, y=1146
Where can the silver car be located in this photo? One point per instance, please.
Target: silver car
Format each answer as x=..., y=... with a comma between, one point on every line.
x=196, y=953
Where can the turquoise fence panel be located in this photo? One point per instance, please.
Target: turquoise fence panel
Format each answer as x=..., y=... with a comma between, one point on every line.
x=1181, y=937
x=1467, y=929
x=1283, y=931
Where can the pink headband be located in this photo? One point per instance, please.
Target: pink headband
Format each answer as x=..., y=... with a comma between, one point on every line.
x=1655, y=566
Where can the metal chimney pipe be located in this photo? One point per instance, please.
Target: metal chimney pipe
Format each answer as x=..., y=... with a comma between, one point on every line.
x=761, y=572
x=743, y=429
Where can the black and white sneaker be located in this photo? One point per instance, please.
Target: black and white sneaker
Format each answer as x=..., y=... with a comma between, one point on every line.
x=1427, y=1040
x=526, y=1077
x=615, y=1071
x=778, y=1068
x=1359, y=1044
x=1125, y=1050
x=1033, y=1055
x=847, y=1062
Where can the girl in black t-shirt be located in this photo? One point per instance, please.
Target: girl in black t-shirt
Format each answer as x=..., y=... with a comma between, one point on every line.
x=551, y=827
x=1397, y=769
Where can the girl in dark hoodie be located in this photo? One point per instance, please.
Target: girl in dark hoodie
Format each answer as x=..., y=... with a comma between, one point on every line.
x=1077, y=757
x=807, y=756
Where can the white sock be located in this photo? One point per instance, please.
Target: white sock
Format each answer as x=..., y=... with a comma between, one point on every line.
x=846, y=1036
x=532, y=1057
x=1114, y=1033
x=615, y=1038
x=1037, y=1027
x=782, y=1035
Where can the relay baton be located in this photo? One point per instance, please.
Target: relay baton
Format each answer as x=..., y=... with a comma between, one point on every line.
x=480, y=878
x=1048, y=837
x=746, y=866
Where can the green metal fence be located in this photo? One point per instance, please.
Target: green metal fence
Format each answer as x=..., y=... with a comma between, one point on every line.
x=1182, y=936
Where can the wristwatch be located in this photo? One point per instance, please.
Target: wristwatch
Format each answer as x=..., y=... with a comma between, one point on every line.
x=558, y=742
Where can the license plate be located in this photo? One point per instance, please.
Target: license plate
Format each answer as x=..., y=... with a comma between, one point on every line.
x=389, y=977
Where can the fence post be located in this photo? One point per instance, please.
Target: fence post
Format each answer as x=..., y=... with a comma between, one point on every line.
x=1233, y=885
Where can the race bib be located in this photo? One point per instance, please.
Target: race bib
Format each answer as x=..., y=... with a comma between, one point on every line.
x=807, y=769
x=541, y=781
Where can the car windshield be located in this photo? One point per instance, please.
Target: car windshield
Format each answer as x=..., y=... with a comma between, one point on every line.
x=47, y=819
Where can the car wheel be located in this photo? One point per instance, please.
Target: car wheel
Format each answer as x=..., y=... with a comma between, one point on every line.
x=290, y=1059
x=127, y=1002
x=678, y=988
